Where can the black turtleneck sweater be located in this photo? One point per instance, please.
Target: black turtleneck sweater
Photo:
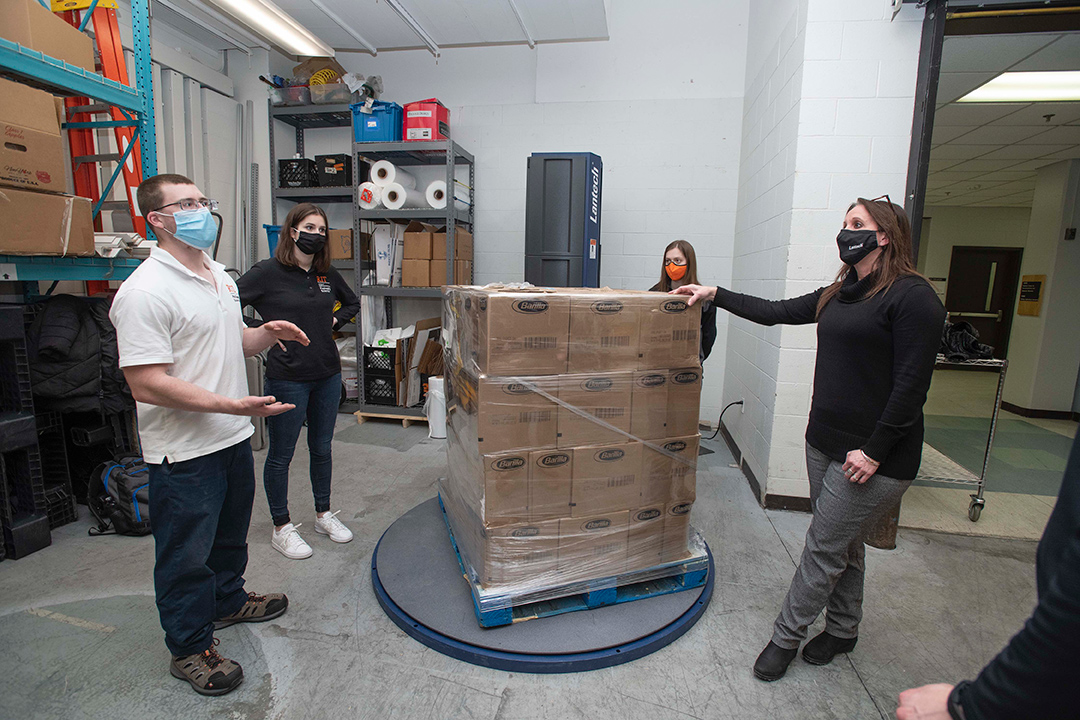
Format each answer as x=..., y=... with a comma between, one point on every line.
x=875, y=357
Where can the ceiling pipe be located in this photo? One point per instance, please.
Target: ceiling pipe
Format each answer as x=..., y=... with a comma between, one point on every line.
x=521, y=22
x=345, y=26
x=396, y=6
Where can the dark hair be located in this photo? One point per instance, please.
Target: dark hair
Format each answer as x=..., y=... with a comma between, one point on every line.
x=284, y=253
x=149, y=195
x=895, y=260
x=690, y=278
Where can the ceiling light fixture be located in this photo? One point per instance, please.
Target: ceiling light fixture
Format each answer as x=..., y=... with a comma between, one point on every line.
x=276, y=25
x=345, y=26
x=411, y=22
x=521, y=22
x=1057, y=86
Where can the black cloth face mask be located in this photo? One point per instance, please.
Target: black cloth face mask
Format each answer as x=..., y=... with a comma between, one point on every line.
x=856, y=244
x=310, y=243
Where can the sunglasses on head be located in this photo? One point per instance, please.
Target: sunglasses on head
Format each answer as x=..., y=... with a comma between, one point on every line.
x=889, y=202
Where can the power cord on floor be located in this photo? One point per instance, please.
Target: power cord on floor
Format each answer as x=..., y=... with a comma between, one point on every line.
x=713, y=436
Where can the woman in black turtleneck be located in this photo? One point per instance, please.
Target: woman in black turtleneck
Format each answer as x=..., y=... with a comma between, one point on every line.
x=879, y=327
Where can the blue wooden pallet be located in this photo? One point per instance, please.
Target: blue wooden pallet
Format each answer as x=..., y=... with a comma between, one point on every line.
x=495, y=609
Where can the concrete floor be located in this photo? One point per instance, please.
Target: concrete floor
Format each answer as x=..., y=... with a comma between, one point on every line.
x=81, y=636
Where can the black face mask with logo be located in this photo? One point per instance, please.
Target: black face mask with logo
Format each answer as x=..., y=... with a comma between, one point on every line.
x=310, y=243
x=856, y=244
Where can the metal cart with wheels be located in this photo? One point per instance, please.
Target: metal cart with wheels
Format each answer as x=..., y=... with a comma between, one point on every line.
x=937, y=467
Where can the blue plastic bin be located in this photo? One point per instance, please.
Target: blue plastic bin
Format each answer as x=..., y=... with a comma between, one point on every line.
x=383, y=124
x=272, y=234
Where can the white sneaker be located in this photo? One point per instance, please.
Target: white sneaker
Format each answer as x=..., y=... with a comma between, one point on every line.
x=288, y=542
x=330, y=525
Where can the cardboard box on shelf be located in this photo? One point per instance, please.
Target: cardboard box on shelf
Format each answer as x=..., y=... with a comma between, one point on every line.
x=426, y=120
x=594, y=546
x=463, y=272
x=341, y=244
x=604, y=396
x=606, y=478
x=506, y=486
x=37, y=223
x=415, y=273
x=418, y=241
x=519, y=552
x=649, y=404
x=29, y=24
x=463, y=244
x=604, y=330
x=684, y=401
x=645, y=540
x=550, y=477
x=32, y=151
x=676, y=531
x=669, y=332
x=514, y=333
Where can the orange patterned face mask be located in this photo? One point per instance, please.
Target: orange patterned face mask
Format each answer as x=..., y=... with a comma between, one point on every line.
x=675, y=272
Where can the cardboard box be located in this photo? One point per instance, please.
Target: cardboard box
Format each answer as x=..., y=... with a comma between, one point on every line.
x=670, y=332
x=645, y=540
x=604, y=396
x=35, y=223
x=463, y=244
x=676, y=531
x=425, y=121
x=341, y=244
x=649, y=404
x=606, y=479
x=515, y=333
x=29, y=24
x=593, y=547
x=603, y=333
x=334, y=170
x=32, y=151
x=462, y=273
x=510, y=416
x=550, y=478
x=506, y=486
x=683, y=467
x=415, y=273
x=418, y=241
x=684, y=401
x=520, y=553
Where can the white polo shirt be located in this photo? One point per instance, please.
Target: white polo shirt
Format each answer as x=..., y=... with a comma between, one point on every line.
x=166, y=314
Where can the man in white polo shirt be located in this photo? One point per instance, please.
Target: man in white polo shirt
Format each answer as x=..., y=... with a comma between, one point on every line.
x=182, y=345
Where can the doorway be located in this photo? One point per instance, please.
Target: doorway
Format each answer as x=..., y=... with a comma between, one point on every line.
x=981, y=291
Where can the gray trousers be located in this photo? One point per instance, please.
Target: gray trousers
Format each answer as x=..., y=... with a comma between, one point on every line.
x=831, y=570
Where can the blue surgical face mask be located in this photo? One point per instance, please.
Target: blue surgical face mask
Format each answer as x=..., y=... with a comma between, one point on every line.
x=196, y=228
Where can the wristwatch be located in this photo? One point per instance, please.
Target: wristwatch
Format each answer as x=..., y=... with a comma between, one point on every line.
x=956, y=710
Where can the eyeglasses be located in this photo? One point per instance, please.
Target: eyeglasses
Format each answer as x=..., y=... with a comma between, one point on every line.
x=191, y=204
x=892, y=207
x=677, y=263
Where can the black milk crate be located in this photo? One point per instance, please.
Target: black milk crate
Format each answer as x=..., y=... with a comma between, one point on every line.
x=15, y=389
x=22, y=490
x=56, y=474
x=380, y=390
x=60, y=505
x=297, y=173
x=379, y=361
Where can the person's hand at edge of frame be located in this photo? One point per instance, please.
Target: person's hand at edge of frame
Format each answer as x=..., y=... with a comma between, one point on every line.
x=696, y=292
x=929, y=702
x=260, y=406
x=286, y=331
x=859, y=468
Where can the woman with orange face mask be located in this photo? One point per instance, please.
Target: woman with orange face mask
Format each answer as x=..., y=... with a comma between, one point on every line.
x=680, y=268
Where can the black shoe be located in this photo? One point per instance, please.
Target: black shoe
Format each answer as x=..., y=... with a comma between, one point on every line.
x=822, y=649
x=773, y=662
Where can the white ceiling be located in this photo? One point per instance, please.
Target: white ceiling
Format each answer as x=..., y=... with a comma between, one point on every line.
x=450, y=23
x=986, y=154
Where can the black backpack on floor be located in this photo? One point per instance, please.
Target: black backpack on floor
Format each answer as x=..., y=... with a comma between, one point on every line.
x=119, y=497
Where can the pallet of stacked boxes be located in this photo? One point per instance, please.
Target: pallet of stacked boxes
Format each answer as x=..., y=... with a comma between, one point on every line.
x=572, y=443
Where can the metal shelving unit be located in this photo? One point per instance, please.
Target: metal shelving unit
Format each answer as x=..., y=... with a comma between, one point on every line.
x=444, y=152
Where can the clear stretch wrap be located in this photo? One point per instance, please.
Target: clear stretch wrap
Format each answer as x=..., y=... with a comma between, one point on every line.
x=572, y=434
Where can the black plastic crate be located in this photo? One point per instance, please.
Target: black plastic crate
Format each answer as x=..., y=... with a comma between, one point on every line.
x=334, y=170
x=60, y=505
x=17, y=430
x=380, y=390
x=22, y=497
x=297, y=173
x=379, y=361
x=16, y=394
x=59, y=496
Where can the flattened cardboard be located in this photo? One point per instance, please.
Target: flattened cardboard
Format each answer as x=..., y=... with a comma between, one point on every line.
x=418, y=240
x=603, y=333
x=670, y=332
x=31, y=148
x=676, y=531
x=604, y=396
x=645, y=540
x=649, y=404
x=36, y=223
x=593, y=547
x=550, y=478
x=684, y=401
x=506, y=487
x=607, y=478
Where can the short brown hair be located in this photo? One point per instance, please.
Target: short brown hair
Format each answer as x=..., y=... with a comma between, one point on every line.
x=285, y=245
x=149, y=195
x=690, y=278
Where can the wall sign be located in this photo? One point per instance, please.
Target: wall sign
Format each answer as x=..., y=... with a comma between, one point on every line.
x=1031, y=293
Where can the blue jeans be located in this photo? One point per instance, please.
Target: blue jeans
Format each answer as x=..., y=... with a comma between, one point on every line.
x=316, y=402
x=200, y=511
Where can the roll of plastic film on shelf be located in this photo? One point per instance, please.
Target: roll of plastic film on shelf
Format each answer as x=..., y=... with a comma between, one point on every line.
x=395, y=197
x=370, y=196
x=436, y=194
x=385, y=172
